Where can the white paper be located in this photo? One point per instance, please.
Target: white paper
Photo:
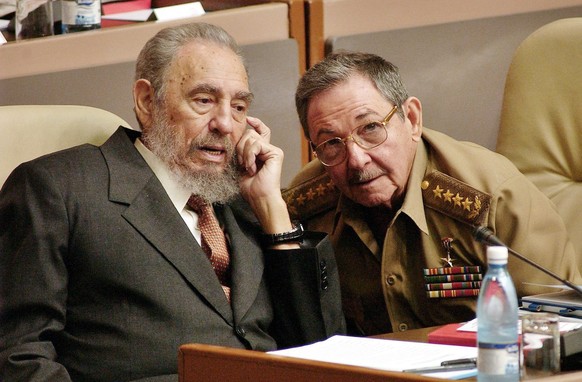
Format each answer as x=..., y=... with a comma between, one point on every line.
x=180, y=11
x=383, y=354
x=173, y=12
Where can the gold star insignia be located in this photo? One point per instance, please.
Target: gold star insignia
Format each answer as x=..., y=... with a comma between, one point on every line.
x=320, y=190
x=438, y=192
x=457, y=200
x=301, y=199
x=467, y=204
x=310, y=194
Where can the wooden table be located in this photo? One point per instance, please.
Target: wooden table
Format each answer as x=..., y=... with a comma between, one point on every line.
x=413, y=335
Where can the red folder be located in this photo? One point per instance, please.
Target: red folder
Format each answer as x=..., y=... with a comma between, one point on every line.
x=121, y=7
x=449, y=335
x=125, y=6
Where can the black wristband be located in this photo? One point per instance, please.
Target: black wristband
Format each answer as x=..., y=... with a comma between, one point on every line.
x=295, y=235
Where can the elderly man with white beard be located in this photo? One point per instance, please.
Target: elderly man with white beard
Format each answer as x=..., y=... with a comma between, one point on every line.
x=111, y=257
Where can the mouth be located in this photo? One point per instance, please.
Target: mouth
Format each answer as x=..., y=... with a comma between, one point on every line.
x=359, y=183
x=213, y=153
x=213, y=150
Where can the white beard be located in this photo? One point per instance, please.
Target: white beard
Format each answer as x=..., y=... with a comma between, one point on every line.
x=214, y=186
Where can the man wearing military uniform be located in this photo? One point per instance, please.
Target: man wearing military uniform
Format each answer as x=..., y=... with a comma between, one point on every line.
x=401, y=201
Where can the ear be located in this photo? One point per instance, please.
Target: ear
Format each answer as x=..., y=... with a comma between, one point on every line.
x=413, y=111
x=143, y=101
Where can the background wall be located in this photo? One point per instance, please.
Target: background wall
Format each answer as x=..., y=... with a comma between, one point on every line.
x=456, y=69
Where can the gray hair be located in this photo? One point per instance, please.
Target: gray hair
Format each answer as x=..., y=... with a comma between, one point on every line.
x=158, y=53
x=337, y=68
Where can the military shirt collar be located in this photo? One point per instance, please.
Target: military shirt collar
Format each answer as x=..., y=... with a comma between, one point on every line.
x=413, y=205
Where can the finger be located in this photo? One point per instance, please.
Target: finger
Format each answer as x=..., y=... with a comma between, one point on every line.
x=248, y=149
x=262, y=129
x=243, y=143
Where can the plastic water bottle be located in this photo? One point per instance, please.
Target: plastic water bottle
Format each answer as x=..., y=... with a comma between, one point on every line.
x=497, y=322
x=80, y=15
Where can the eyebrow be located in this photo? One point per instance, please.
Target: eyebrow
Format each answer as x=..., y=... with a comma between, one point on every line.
x=245, y=96
x=248, y=97
x=366, y=114
x=360, y=117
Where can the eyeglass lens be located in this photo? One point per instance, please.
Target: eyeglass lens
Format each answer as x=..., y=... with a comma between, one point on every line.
x=368, y=136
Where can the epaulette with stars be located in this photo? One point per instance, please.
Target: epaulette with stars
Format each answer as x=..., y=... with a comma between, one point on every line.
x=316, y=195
x=455, y=199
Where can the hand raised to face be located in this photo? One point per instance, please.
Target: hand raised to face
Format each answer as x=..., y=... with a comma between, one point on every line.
x=261, y=163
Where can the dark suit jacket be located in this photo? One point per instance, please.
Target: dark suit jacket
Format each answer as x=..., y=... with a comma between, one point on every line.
x=101, y=280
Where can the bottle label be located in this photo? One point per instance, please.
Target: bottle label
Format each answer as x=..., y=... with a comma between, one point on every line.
x=81, y=12
x=498, y=359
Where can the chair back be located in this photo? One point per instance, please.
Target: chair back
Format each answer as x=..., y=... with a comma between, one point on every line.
x=541, y=117
x=29, y=131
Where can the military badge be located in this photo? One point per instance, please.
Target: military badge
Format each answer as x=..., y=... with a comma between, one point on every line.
x=452, y=281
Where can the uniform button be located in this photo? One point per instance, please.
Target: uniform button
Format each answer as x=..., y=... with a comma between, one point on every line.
x=240, y=331
x=402, y=327
x=390, y=280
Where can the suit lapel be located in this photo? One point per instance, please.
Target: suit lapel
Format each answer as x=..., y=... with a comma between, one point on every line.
x=151, y=212
x=246, y=263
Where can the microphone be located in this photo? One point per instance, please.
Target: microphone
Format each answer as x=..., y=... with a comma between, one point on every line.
x=486, y=236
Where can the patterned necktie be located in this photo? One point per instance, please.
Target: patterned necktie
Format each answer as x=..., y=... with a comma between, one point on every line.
x=213, y=241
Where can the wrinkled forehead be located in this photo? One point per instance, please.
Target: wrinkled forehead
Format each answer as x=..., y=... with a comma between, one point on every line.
x=198, y=60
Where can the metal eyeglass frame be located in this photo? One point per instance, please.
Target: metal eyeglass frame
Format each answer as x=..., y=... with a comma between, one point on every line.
x=343, y=141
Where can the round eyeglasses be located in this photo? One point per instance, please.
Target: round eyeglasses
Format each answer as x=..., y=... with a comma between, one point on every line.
x=334, y=151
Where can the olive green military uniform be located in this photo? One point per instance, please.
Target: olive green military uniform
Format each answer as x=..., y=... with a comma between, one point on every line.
x=453, y=187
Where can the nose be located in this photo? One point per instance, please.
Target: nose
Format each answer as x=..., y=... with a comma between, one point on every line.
x=357, y=157
x=222, y=120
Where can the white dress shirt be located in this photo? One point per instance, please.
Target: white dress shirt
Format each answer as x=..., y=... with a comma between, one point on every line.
x=177, y=193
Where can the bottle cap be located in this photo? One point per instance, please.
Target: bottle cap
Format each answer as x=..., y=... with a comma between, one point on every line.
x=497, y=255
